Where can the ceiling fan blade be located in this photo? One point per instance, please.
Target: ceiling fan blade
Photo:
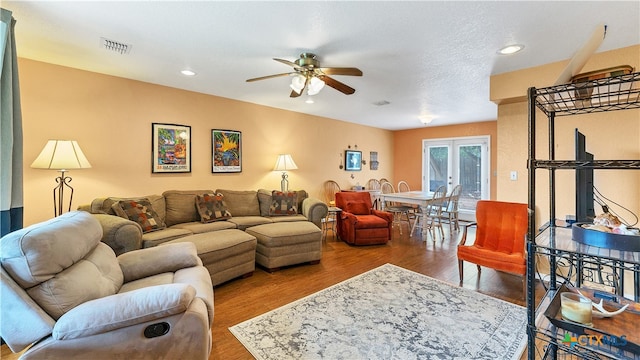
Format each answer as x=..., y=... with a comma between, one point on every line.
x=341, y=71
x=290, y=63
x=343, y=88
x=294, y=94
x=269, y=76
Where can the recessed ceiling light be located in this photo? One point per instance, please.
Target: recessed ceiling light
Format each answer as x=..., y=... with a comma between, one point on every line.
x=187, y=72
x=309, y=101
x=510, y=49
x=425, y=119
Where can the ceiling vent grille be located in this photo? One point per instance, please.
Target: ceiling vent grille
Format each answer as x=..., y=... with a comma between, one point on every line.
x=115, y=46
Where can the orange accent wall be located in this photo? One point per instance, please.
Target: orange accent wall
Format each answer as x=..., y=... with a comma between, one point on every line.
x=407, y=149
x=610, y=136
x=111, y=118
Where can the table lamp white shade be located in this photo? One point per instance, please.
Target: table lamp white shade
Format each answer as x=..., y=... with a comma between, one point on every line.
x=61, y=155
x=283, y=163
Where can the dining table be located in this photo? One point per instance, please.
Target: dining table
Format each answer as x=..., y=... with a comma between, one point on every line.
x=420, y=198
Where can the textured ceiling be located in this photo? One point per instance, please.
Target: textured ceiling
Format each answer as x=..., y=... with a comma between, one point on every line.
x=426, y=58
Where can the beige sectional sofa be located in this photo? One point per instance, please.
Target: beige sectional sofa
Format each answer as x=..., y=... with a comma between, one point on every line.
x=178, y=218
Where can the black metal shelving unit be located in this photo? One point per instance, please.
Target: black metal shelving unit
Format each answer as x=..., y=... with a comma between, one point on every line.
x=556, y=243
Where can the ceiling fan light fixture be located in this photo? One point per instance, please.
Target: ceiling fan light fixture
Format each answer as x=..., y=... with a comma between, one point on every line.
x=315, y=85
x=297, y=83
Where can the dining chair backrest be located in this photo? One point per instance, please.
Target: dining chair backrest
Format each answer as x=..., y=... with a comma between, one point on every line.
x=439, y=197
x=387, y=188
x=403, y=186
x=454, y=197
x=330, y=188
x=373, y=184
x=383, y=180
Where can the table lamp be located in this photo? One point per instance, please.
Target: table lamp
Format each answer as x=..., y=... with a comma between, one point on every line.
x=61, y=155
x=284, y=163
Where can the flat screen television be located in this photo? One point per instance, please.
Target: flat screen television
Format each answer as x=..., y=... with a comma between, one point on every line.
x=585, y=211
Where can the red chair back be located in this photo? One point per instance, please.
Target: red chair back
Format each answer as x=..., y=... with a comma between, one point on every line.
x=502, y=226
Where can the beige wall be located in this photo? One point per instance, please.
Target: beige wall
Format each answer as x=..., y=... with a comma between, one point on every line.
x=612, y=135
x=407, y=149
x=111, y=119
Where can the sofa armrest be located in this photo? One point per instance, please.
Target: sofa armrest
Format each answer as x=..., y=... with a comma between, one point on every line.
x=122, y=235
x=314, y=210
x=121, y=310
x=142, y=263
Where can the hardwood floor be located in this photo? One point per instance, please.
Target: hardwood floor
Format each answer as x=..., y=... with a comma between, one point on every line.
x=242, y=299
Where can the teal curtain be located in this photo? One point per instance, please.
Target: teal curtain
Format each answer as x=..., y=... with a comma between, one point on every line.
x=11, y=199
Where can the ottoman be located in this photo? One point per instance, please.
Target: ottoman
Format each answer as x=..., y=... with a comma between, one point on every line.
x=227, y=254
x=287, y=243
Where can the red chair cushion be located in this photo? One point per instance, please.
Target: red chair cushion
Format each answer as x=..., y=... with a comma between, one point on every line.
x=357, y=208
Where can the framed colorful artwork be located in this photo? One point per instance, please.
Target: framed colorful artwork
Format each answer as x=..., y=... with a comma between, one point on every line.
x=170, y=148
x=226, y=148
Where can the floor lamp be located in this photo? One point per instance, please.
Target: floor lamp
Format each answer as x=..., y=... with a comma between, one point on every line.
x=284, y=163
x=61, y=155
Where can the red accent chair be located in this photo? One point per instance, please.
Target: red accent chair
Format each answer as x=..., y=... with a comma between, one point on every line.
x=358, y=223
x=499, y=243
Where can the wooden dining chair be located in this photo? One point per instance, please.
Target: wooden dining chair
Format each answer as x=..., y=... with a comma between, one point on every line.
x=403, y=186
x=434, y=212
x=450, y=208
x=395, y=208
x=373, y=184
x=329, y=189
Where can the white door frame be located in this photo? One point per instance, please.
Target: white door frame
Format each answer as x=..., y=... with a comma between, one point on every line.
x=453, y=160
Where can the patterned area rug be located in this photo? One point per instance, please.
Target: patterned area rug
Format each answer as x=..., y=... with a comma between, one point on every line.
x=388, y=313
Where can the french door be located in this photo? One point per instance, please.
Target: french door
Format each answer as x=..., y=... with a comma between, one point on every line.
x=458, y=161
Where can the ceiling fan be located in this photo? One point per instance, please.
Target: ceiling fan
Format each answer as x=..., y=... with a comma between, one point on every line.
x=309, y=75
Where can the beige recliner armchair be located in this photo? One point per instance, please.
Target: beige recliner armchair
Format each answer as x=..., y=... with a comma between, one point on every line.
x=65, y=295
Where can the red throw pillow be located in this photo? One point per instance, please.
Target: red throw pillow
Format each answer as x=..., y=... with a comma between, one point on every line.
x=357, y=208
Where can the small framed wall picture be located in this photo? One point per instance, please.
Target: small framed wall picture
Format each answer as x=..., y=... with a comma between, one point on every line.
x=352, y=160
x=170, y=148
x=226, y=151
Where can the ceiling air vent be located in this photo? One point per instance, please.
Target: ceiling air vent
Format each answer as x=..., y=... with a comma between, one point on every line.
x=115, y=46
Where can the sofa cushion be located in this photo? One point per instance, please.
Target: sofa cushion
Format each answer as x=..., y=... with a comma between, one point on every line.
x=154, y=238
x=241, y=203
x=140, y=211
x=264, y=198
x=105, y=205
x=357, y=208
x=212, y=207
x=283, y=203
x=181, y=205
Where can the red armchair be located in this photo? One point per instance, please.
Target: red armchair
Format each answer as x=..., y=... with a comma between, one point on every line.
x=358, y=223
x=499, y=243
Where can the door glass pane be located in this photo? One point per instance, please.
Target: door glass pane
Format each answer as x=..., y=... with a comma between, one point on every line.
x=470, y=170
x=438, y=166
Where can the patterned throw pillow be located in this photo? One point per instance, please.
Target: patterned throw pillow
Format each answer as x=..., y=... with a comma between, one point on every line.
x=357, y=208
x=283, y=203
x=212, y=207
x=140, y=211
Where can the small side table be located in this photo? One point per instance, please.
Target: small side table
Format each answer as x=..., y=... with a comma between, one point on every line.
x=329, y=222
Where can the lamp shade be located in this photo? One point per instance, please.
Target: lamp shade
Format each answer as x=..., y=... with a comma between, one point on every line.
x=284, y=163
x=297, y=83
x=61, y=155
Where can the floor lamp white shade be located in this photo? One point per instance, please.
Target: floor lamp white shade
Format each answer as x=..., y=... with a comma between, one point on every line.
x=61, y=155
x=284, y=163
